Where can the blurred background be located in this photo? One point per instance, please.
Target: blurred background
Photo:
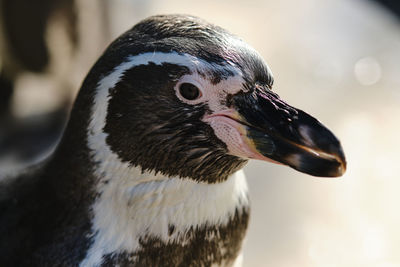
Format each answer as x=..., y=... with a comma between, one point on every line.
x=339, y=60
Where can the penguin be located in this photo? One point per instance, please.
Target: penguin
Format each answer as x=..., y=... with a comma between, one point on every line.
x=148, y=171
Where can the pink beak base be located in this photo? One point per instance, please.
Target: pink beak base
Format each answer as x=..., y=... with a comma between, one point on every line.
x=227, y=128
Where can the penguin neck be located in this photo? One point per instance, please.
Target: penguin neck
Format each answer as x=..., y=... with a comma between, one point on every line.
x=132, y=206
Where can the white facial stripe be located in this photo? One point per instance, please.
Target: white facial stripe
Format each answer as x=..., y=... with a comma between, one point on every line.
x=132, y=202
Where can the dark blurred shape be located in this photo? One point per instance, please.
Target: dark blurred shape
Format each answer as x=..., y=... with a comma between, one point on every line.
x=25, y=24
x=33, y=136
x=392, y=5
x=6, y=88
x=24, y=48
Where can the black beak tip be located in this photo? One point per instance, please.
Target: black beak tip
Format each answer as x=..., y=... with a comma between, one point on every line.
x=333, y=165
x=327, y=158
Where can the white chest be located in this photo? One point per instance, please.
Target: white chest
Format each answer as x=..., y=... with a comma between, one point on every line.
x=129, y=208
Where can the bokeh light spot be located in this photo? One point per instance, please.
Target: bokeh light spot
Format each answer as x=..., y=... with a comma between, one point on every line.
x=368, y=71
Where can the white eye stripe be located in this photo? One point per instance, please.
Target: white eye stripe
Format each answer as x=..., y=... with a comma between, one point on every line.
x=196, y=65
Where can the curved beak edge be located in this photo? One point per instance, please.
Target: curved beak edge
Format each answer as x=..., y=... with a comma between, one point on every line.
x=307, y=159
x=279, y=132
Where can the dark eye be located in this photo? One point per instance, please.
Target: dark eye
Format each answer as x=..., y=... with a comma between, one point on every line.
x=189, y=91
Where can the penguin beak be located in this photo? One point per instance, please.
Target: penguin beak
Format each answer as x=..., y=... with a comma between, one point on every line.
x=269, y=129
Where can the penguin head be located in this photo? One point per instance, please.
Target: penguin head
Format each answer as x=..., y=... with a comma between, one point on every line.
x=185, y=98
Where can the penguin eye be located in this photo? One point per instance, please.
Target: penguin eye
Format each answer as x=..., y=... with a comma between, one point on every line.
x=189, y=91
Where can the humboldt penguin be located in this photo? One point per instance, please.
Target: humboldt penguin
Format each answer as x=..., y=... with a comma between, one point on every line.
x=148, y=171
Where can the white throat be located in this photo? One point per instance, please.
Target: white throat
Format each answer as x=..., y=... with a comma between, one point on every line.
x=132, y=204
